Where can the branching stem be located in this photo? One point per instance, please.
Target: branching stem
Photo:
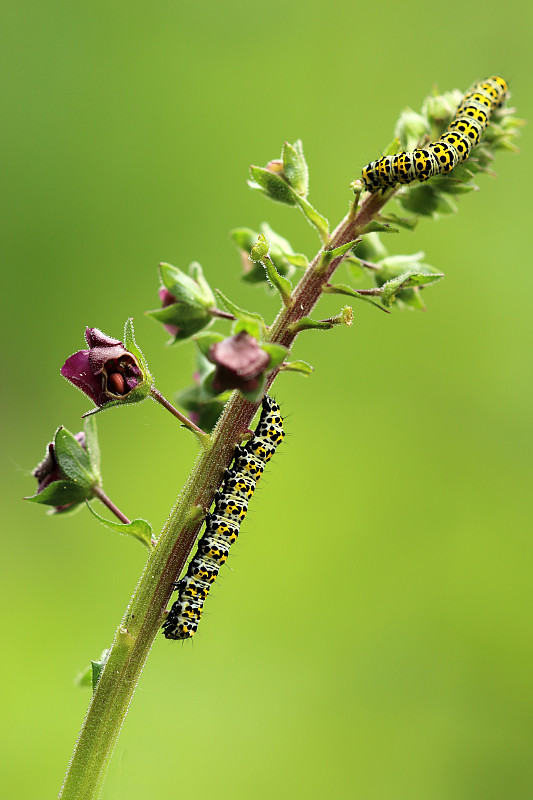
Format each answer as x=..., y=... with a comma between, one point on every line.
x=144, y=615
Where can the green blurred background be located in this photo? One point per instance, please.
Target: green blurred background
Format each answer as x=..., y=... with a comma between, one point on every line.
x=371, y=637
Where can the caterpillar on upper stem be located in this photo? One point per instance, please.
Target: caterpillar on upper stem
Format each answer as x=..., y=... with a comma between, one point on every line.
x=222, y=525
x=454, y=146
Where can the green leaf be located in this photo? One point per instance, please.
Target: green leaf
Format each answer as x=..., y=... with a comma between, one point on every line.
x=255, y=395
x=317, y=220
x=276, y=352
x=138, y=528
x=409, y=223
x=91, y=674
x=297, y=260
x=131, y=345
x=205, y=340
x=274, y=186
x=60, y=493
x=371, y=248
x=283, y=286
x=189, y=319
x=295, y=167
x=73, y=459
x=192, y=290
x=343, y=249
x=378, y=227
x=393, y=287
x=249, y=321
x=342, y=288
x=302, y=367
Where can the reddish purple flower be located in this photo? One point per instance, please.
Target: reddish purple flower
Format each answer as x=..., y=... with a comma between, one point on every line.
x=240, y=363
x=106, y=371
x=49, y=471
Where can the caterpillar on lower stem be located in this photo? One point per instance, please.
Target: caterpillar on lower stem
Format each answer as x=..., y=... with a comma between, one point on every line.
x=463, y=133
x=222, y=525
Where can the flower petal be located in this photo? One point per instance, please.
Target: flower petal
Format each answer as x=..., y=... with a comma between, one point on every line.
x=77, y=370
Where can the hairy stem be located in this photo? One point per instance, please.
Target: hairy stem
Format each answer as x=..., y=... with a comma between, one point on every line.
x=101, y=495
x=144, y=615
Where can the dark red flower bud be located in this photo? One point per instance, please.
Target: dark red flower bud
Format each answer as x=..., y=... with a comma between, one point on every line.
x=106, y=371
x=240, y=363
x=49, y=471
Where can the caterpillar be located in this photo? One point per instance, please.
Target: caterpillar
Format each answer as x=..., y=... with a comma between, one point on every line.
x=454, y=146
x=222, y=525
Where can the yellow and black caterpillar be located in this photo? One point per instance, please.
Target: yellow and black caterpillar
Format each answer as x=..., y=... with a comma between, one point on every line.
x=454, y=146
x=222, y=525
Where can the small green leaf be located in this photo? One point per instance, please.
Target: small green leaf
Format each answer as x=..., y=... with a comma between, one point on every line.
x=97, y=667
x=295, y=167
x=297, y=260
x=378, y=227
x=371, y=248
x=188, y=319
x=409, y=223
x=73, y=459
x=274, y=186
x=131, y=345
x=277, y=354
x=60, y=493
x=317, y=220
x=91, y=674
x=343, y=249
x=393, y=287
x=283, y=286
x=302, y=367
x=342, y=288
x=138, y=528
x=205, y=340
x=249, y=321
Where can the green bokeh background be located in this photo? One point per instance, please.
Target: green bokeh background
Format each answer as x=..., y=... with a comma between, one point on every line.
x=371, y=637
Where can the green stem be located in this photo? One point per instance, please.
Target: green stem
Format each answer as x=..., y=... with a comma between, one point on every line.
x=142, y=620
x=101, y=495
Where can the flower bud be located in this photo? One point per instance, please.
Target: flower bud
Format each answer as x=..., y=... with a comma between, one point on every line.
x=186, y=300
x=65, y=476
x=240, y=363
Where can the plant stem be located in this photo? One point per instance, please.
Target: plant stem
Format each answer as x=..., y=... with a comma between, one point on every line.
x=158, y=397
x=217, y=312
x=144, y=615
x=101, y=495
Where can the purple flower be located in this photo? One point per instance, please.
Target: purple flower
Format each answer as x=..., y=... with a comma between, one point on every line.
x=240, y=363
x=49, y=471
x=106, y=371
